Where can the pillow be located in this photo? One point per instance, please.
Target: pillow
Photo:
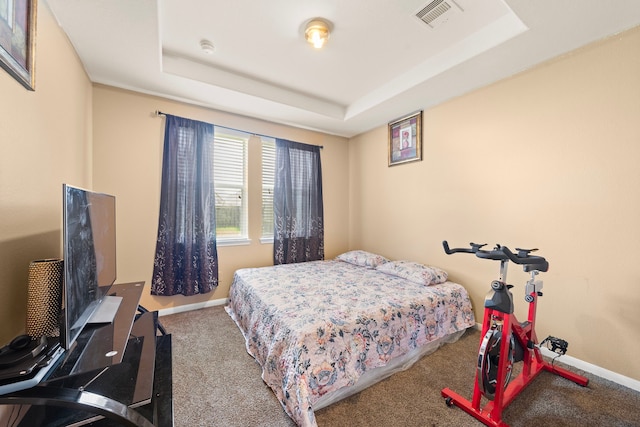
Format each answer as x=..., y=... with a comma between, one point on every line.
x=362, y=258
x=415, y=272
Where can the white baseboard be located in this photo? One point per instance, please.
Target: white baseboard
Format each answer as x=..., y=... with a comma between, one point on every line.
x=589, y=367
x=190, y=307
x=594, y=369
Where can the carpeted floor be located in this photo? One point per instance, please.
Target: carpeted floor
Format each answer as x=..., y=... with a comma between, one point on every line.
x=216, y=383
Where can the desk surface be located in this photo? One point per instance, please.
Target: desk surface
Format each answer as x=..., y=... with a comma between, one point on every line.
x=100, y=346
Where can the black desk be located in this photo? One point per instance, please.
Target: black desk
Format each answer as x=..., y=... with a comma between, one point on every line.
x=121, y=371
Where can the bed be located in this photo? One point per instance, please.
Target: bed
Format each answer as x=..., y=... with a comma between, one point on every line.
x=324, y=330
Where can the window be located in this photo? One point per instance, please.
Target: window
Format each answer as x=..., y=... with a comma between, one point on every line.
x=230, y=172
x=268, y=174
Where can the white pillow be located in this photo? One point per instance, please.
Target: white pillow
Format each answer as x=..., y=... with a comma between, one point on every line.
x=362, y=258
x=415, y=272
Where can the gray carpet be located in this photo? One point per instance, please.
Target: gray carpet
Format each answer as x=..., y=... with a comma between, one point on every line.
x=216, y=383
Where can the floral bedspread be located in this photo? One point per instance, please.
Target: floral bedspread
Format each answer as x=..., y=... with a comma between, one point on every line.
x=315, y=327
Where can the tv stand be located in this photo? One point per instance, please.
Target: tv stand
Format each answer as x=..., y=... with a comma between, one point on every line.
x=106, y=311
x=116, y=373
x=79, y=400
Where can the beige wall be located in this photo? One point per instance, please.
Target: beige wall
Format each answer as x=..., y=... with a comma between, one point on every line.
x=45, y=140
x=127, y=163
x=547, y=159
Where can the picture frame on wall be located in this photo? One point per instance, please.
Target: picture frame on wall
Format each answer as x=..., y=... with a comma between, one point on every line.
x=405, y=139
x=17, y=40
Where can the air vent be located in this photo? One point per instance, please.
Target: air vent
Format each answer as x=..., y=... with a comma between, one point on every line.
x=438, y=12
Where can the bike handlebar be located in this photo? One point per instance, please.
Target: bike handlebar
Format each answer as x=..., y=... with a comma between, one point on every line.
x=474, y=248
x=502, y=253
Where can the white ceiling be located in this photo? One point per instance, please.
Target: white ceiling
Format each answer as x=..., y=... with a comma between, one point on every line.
x=381, y=62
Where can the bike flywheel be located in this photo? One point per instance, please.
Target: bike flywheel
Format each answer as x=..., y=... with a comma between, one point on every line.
x=488, y=362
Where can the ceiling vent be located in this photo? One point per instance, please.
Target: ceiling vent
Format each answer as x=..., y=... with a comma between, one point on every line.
x=438, y=12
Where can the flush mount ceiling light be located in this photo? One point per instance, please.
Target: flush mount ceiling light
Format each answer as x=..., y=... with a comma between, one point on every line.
x=317, y=32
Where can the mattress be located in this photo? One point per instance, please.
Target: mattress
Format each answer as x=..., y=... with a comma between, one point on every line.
x=321, y=329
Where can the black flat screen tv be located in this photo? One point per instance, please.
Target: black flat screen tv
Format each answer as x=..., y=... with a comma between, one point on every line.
x=89, y=248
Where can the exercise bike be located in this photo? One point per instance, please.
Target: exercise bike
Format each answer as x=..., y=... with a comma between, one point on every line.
x=505, y=341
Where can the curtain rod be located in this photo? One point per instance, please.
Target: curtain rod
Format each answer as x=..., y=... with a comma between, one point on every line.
x=160, y=113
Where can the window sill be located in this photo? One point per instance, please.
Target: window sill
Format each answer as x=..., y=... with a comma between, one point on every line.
x=242, y=241
x=266, y=240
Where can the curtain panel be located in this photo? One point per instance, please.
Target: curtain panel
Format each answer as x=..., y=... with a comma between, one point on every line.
x=297, y=204
x=186, y=258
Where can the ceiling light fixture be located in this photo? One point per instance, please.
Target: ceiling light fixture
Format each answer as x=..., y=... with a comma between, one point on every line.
x=207, y=47
x=317, y=32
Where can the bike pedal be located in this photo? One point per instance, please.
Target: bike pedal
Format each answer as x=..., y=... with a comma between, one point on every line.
x=558, y=345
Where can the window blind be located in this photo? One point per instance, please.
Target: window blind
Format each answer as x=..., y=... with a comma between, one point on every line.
x=268, y=176
x=230, y=171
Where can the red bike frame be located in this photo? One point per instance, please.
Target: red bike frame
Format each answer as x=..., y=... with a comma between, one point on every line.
x=533, y=364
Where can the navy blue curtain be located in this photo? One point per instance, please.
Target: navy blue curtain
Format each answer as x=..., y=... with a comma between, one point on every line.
x=298, y=234
x=186, y=259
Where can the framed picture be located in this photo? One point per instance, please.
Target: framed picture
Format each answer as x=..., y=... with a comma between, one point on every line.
x=17, y=39
x=405, y=139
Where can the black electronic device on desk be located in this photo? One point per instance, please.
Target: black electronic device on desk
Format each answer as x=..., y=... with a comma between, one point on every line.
x=26, y=360
x=21, y=349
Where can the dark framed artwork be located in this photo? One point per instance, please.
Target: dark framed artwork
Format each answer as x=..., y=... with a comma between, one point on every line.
x=405, y=139
x=17, y=39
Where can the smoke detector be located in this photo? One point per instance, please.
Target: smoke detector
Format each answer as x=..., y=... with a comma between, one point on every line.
x=207, y=47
